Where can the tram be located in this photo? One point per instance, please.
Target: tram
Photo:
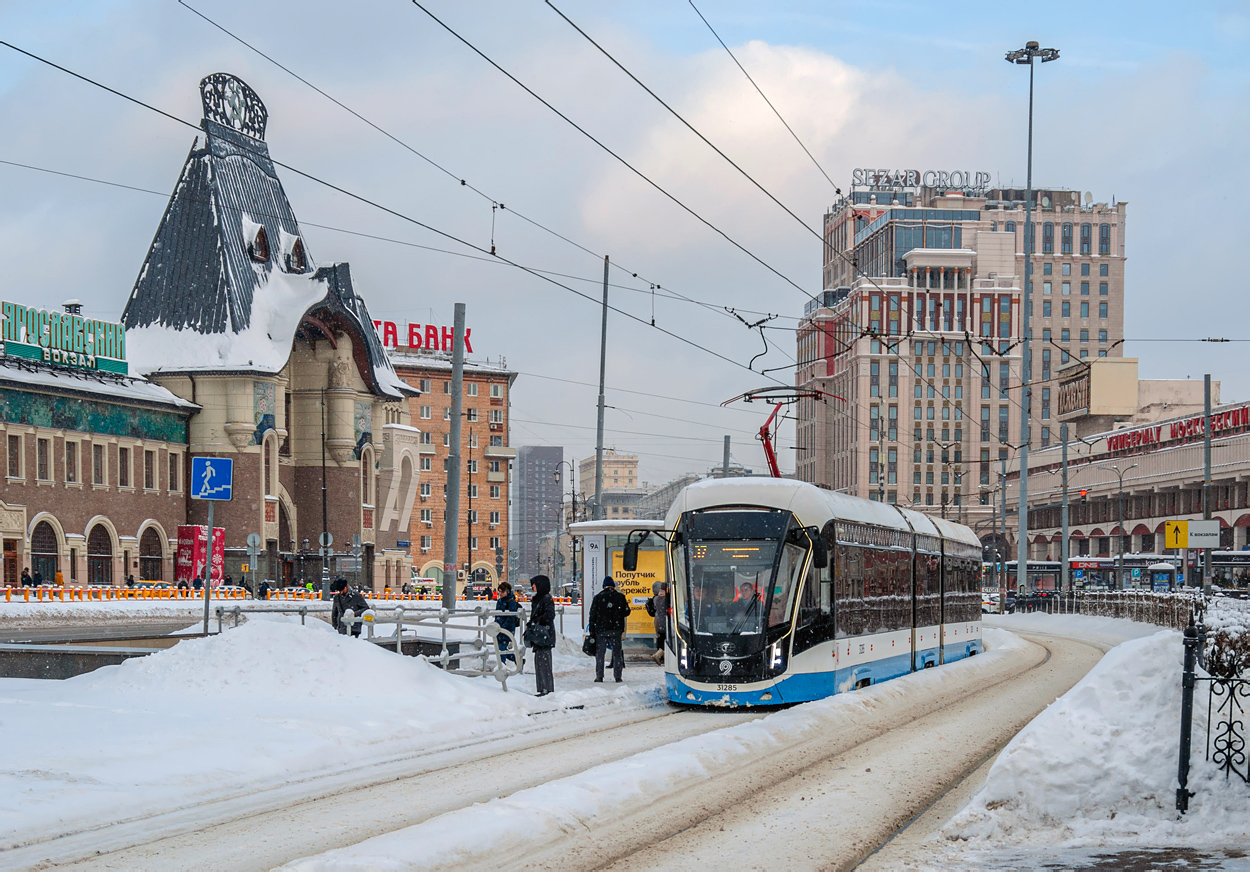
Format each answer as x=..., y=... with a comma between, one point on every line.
x=783, y=593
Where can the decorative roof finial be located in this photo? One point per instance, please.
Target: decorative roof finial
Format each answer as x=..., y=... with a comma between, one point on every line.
x=231, y=103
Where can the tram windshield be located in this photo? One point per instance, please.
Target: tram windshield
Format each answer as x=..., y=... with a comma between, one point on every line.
x=738, y=586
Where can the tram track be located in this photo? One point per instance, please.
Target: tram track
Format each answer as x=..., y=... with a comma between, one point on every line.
x=828, y=802
x=265, y=829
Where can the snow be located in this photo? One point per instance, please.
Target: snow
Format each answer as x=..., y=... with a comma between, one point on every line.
x=1101, y=631
x=68, y=378
x=1098, y=768
x=264, y=345
x=529, y=819
x=261, y=705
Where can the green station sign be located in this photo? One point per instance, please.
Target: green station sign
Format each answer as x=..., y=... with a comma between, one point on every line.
x=63, y=339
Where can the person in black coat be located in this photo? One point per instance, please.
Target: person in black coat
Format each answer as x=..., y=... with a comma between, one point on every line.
x=27, y=581
x=543, y=614
x=345, y=598
x=506, y=603
x=608, y=611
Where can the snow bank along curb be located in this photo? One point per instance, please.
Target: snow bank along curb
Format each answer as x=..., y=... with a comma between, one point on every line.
x=1098, y=767
x=533, y=818
x=253, y=709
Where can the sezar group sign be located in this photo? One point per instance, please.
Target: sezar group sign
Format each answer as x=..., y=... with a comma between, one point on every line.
x=427, y=337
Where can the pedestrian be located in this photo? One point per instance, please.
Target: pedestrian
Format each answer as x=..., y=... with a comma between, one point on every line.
x=27, y=581
x=541, y=633
x=506, y=603
x=262, y=592
x=130, y=581
x=60, y=579
x=198, y=584
x=659, y=604
x=345, y=598
x=37, y=578
x=608, y=611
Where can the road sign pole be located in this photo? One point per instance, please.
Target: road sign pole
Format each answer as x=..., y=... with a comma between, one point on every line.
x=208, y=563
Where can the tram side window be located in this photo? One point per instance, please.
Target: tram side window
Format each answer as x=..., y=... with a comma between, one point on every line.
x=815, y=624
x=928, y=590
x=961, y=600
x=873, y=588
x=849, y=590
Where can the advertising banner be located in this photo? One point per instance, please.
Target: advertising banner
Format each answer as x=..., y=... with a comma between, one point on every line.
x=637, y=588
x=189, y=564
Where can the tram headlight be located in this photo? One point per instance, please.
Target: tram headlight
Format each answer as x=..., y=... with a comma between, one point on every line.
x=777, y=656
x=684, y=655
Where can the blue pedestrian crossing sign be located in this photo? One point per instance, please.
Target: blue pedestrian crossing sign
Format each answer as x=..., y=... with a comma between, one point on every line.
x=212, y=478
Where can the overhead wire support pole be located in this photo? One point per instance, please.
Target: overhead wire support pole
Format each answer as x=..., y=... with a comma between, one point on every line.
x=603, y=366
x=1207, y=579
x=451, y=524
x=1026, y=56
x=1065, y=580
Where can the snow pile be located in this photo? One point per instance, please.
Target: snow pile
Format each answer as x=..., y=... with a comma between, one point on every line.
x=1098, y=767
x=260, y=706
x=530, y=819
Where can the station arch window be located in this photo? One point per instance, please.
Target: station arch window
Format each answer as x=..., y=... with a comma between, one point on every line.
x=99, y=556
x=45, y=551
x=151, y=556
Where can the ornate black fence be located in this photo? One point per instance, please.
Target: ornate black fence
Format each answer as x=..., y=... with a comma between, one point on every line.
x=1161, y=609
x=1224, y=658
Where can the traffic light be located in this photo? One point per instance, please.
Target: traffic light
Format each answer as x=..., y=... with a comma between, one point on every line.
x=1084, y=494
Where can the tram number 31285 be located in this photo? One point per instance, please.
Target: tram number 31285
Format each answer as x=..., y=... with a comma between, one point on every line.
x=731, y=688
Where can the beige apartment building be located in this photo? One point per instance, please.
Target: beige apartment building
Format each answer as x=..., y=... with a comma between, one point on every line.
x=622, y=489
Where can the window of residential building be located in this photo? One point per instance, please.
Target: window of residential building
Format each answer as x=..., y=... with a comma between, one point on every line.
x=494, y=491
x=1065, y=335
x=496, y=416
x=425, y=412
x=446, y=413
x=1066, y=240
x=1104, y=239
x=1102, y=335
x=43, y=470
x=71, y=461
x=1102, y=310
x=426, y=463
x=1084, y=309
x=1067, y=288
x=1048, y=238
x=496, y=392
x=1085, y=336
x=1087, y=239
x=495, y=543
x=1046, y=308
x=1084, y=353
x=426, y=490
x=473, y=543
x=496, y=441
x=473, y=491
x=447, y=387
x=1084, y=269
x=494, y=517
x=427, y=438
x=1067, y=310
x=1046, y=268
x=1045, y=334
x=423, y=385
x=1104, y=269
x=15, y=456
x=427, y=542
x=1102, y=289
x=1085, y=287
x=1045, y=287
x=427, y=516
x=470, y=389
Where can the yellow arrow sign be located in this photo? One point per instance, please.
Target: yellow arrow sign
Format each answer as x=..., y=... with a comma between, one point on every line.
x=1176, y=534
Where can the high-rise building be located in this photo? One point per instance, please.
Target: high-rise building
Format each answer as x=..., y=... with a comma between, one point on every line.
x=536, y=504
x=917, y=339
x=484, y=462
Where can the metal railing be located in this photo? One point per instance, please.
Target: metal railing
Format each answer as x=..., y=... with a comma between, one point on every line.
x=1161, y=609
x=477, y=654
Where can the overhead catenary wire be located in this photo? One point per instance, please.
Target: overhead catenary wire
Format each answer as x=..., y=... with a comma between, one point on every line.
x=444, y=170
x=764, y=96
x=601, y=144
x=367, y=201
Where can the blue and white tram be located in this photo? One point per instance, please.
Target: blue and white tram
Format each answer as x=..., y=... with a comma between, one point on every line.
x=783, y=593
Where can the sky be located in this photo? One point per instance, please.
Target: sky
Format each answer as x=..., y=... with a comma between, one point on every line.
x=1146, y=105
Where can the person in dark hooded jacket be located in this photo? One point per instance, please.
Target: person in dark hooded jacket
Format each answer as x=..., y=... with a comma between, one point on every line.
x=345, y=598
x=506, y=603
x=543, y=614
x=608, y=611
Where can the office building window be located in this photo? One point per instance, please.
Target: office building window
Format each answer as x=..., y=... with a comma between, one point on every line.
x=1084, y=269
x=1085, y=286
x=1046, y=334
x=1045, y=308
x=1102, y=289
x=1046, y=268
x=1087, y=239
x=1067, y=309
x=1102, y=310
x=1066, y=240
x=1104, y=269
x=1048, y=238
x=1084, y=309
x=1067, y=288
x=1065, y=335
x=1104, y=239
x=1102, y=335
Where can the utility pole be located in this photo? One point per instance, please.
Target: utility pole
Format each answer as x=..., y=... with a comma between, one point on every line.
x=1002, y=538
x=603, y=364
x=1065, y=581
x=325, y=523
x=451, y=523
x=1206, y=476
x=468, y=515
x=724, y=466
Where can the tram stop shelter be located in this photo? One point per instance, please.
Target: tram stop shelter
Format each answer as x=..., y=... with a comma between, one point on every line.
x=603, y=548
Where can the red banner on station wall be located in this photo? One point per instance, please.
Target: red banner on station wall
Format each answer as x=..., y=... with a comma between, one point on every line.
x=189, y=564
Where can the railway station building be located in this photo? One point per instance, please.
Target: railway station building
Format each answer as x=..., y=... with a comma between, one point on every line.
x=237, y=344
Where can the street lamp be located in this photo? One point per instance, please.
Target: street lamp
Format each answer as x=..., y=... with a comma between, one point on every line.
x=573, y=513
x=1025, y=56
x=1119, y=561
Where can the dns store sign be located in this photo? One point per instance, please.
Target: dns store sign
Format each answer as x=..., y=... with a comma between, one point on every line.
x=421, y=336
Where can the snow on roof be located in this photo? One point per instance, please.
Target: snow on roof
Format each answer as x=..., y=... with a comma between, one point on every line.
x=88, y=382
x=614, y=525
